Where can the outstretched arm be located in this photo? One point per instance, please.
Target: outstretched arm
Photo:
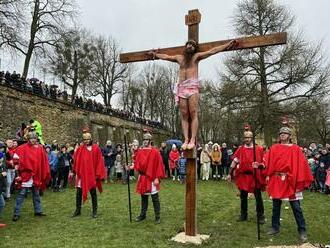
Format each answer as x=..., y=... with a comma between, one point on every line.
x=215, y=50
x=162, y=56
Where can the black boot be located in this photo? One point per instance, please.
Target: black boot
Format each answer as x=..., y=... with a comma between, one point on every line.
x=144, y=208
x=94, y=202
x=156, y=203
x=78, y=203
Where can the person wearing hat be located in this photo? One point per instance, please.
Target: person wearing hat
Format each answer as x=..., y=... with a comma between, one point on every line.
x=249, y=176
x=174, y=156
x=205, y=160
x=288, y=174
x=88, y=165
x=149, y=164
x=38, y=129
x=34, y=173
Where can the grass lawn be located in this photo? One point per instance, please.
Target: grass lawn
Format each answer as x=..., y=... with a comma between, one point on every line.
x=218, y=208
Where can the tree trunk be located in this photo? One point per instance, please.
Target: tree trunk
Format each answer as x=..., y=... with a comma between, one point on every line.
x=264, y=107
x=75, y=75
x=33, y=31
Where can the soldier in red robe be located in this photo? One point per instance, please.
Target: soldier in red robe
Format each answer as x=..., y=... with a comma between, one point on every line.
x=149, y=164
x=244, y=168
x=288, y=174
x=34, y=173
x=88, y=165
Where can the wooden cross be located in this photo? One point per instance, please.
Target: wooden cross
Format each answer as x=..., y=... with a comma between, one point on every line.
x=192, y=20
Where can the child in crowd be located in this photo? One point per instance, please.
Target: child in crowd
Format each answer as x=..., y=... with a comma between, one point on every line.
x=313, y=165
x=182, y=168
x=119, y=167
x=174, y=156
x=205, y=163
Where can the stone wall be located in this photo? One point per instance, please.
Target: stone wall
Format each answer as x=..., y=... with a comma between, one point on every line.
x=63, y=121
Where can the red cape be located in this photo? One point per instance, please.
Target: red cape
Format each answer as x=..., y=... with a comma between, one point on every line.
x=174, y=158
x=290, y=160
x=89, y=167
x=33, y=162
x=244, y=172
x=10, y=162
x=149, y=163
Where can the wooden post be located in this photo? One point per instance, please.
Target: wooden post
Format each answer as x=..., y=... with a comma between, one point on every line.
x=192, y=20
x=191, y=199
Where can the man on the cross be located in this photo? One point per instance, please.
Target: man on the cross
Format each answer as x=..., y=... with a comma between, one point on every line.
x=187, y=89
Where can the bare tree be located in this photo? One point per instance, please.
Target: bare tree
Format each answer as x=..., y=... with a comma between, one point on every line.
x=268, y=78
x=46, y=26
x=149, y=94
x=107, y=73
x=73, y=60
x=11, y=21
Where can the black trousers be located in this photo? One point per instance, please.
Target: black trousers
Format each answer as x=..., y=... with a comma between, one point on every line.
x=244, y=203
x=155, y=202
x=79, y=199
x=63, y=174
x=53, y=174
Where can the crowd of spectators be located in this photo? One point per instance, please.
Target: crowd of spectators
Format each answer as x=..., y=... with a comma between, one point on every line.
x=35, y=86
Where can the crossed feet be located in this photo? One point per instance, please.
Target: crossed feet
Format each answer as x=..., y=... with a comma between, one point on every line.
x=188, y=145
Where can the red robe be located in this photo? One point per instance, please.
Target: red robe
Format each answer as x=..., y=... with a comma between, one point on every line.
x=174, y=158
x=33, y=162
x=290, y=160
x=89, y=167
x=10, y=161
x=149, y=163
x=244, y=172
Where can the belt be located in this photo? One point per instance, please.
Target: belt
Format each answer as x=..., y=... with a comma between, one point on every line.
x=248, y=173
x=281, y=174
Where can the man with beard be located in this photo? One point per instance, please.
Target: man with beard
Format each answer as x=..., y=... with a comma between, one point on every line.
x=187, y=89
x=288, y=174
x=34, y=172
x=245, y=170
x=148, y=163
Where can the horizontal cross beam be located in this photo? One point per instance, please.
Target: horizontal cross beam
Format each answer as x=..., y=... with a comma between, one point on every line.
x=243, y=43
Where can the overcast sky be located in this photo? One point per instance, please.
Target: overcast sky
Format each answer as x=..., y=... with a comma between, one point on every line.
x=146, y=24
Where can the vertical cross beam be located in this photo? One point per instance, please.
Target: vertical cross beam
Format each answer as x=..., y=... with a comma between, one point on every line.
x=192, y=20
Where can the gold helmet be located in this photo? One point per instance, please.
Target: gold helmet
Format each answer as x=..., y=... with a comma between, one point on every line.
x=32, y=135
x=86, y=134
x=247, y=131
x=147, y=136
x=248, y=134
x=286, y=130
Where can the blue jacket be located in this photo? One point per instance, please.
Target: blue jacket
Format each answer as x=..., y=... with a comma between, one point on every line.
x=52, y=159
